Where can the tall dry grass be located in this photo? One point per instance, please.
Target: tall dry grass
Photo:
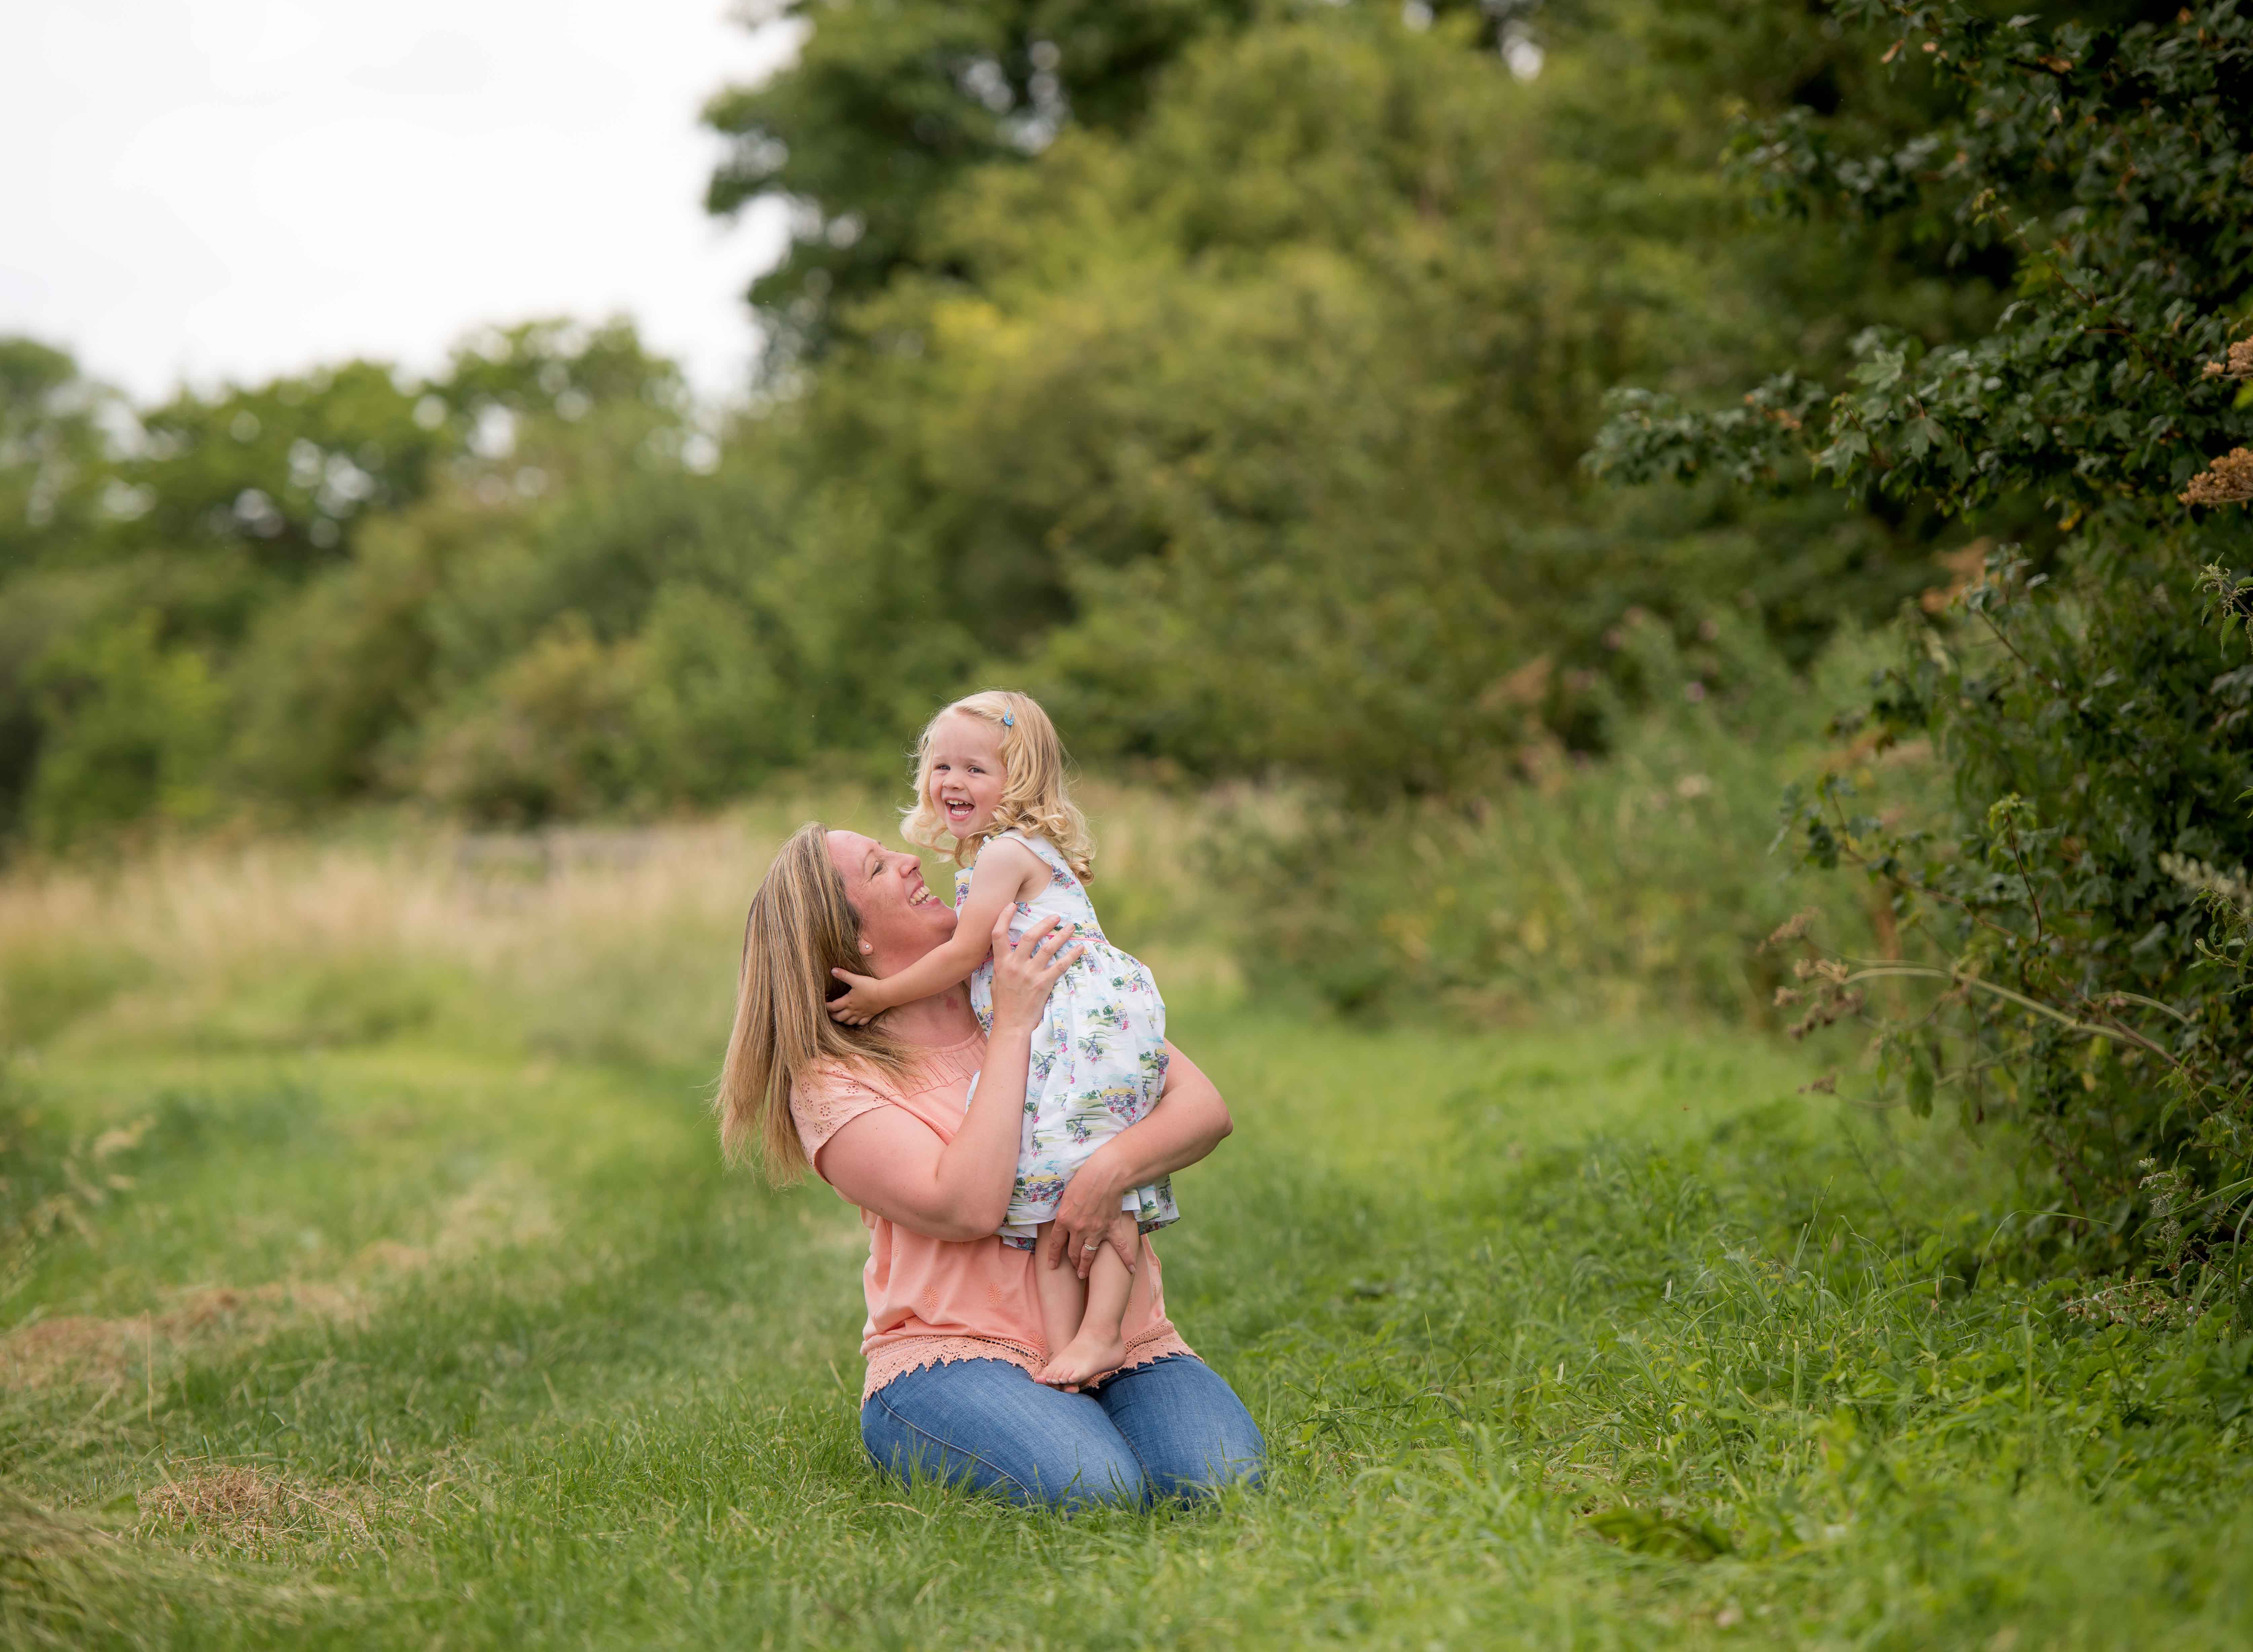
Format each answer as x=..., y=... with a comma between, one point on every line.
x=587, y=943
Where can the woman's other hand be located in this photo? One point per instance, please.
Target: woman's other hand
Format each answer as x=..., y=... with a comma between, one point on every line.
x=1077, y=1247
x=1024, y=971
x=1088, y=1217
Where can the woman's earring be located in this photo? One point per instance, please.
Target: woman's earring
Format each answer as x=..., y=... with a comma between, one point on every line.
x=866, y=947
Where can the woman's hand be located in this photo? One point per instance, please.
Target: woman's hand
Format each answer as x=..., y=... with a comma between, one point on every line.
x=1078, y=1247
x=1024, y=972
x=1189, y=1122
x=1088, y=1217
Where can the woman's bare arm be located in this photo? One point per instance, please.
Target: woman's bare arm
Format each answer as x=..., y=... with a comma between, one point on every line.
x=1189, y=1121
x=889, y=1163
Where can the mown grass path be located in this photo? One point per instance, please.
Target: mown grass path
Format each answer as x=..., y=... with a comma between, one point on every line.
x=1583, y=1336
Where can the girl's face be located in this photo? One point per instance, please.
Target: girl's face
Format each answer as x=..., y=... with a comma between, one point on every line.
x=965, y=781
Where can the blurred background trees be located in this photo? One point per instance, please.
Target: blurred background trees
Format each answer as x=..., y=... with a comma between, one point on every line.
x=1237, y=377
x=1222, y=372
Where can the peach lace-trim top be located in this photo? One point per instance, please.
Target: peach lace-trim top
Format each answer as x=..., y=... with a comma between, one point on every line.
x=932, y=1300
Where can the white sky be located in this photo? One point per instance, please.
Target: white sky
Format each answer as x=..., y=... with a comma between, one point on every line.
x=230, y=188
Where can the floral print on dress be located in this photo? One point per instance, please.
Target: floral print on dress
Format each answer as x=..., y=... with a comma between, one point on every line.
x=1099, y=1055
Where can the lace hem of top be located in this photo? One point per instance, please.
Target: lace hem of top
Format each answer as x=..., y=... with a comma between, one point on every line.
x=887, y=1365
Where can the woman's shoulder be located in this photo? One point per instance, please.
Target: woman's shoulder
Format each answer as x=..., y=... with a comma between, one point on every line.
x=829, y=1095
x=839, y=1076
x=844, y=1080
x=828, y=1085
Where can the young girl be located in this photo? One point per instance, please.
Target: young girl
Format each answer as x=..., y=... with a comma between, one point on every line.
x=989, y=774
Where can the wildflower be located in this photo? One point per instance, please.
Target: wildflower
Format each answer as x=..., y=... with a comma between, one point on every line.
x=2238, y=364
x=2228, y=480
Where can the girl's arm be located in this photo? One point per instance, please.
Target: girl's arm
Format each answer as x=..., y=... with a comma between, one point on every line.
x=1189, y=1121
x=996, y=884
x=889, y=1162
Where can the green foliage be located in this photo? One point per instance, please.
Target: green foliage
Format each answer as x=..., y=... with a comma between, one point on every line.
x=282, y=470
x=886, y=107
x=2108, y=163
x=1265, y=405
x=1643, y=881
x=1221, y=373
x=259, y=597
x=331, y=676
x=132, y=726
x=2076, y=907
x=548, y=734
x=52, y=455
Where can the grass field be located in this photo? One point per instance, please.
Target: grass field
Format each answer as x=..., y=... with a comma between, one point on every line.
x=422, y=1313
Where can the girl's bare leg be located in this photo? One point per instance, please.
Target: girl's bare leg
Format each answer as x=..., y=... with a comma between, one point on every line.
x=1100, y=1343
x=1062, y=1294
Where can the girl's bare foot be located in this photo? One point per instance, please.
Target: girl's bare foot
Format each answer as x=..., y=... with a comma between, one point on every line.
x=1086, y=1357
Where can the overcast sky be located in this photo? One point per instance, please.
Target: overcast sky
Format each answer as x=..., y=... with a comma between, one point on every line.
x=209, y=189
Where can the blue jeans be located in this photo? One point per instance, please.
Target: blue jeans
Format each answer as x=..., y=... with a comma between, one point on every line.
x=1172, y=1428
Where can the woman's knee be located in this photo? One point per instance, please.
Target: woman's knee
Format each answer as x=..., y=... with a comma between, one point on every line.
x=985, y=1425
x=1190, y=1431
x=1078, y=1480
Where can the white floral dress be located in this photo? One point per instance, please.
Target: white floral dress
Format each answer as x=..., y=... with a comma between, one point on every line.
x=1099, y=1055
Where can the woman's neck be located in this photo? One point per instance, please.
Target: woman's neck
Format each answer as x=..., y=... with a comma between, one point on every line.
x=943, y=1018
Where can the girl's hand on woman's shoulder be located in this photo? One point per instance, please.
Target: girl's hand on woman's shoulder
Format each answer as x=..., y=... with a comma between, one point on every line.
x=861, y=1003
x=1024, y=971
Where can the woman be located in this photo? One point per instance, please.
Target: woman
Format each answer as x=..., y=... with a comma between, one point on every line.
x=879, y=1112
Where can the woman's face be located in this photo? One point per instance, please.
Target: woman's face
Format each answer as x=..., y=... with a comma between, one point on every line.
x=901, y=919
x=965, y=781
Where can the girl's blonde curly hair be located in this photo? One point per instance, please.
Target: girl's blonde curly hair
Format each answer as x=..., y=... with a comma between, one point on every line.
x=1034, y=797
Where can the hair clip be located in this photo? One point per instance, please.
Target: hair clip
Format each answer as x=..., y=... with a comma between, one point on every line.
x=1008, y=719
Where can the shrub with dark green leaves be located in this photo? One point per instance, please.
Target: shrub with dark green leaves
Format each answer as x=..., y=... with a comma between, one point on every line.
x=1642, y=882
x=2083, y=913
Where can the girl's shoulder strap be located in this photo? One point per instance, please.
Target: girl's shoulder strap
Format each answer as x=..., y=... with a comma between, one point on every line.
x=1050, y=857
x=1047, y=853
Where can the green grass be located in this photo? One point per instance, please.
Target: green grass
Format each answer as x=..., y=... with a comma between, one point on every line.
x=1563, y=1336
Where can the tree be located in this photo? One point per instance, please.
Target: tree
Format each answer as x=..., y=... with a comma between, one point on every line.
x=282, y=471
x=1255, y=420
x=262, y=594
x=886, y=107
x=54, y=479
x=2078, y=906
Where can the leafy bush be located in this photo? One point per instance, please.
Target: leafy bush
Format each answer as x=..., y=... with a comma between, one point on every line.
x=2083, y=910
x=132, y=726
x=1644, y=880
x=551, y=733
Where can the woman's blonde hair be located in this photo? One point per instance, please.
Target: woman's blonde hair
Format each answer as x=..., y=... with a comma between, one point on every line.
x=800, y=927
x=1036, y=797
